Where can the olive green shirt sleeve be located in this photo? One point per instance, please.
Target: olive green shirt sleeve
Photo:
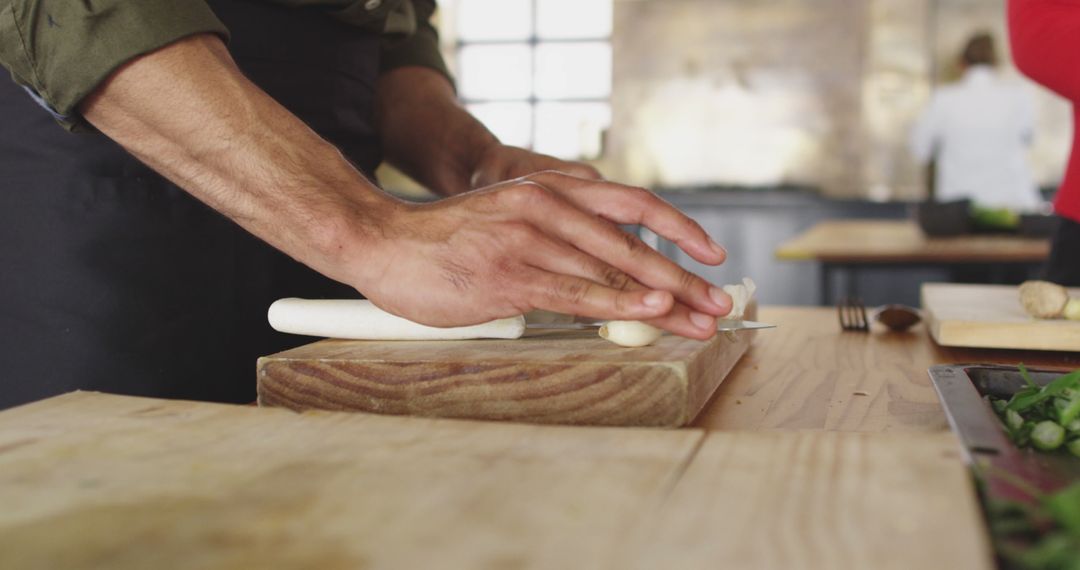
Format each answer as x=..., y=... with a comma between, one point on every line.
x=420, y=48
x=61, y=50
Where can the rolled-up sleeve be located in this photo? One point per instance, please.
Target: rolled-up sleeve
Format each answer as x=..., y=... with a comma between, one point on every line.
x=61, y=50
x=421, y=48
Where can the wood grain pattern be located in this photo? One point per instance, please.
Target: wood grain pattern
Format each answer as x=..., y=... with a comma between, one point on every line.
x=551, y=377
x=808, y=374
x=96, y=481
x=118, y=482
x=990, y=316
x=889, y=241
x=817, y=500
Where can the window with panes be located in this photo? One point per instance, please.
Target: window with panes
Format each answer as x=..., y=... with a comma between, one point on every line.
x=537, y=72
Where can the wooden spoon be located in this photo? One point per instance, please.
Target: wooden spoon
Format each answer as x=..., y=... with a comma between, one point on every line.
x=898, y=317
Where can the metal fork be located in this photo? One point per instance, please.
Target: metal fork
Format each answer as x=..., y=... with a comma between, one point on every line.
x=852, y=313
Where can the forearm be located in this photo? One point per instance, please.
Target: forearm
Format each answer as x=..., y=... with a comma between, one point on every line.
x=426, y=132
x=188, y=112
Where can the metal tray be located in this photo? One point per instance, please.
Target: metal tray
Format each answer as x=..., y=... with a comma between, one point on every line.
x=962, y=389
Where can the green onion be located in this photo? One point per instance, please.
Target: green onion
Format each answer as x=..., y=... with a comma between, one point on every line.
x=1070, y=412
x=1027, y=377
x=1047, y=435
x=1026, y=398
x=1013, y=419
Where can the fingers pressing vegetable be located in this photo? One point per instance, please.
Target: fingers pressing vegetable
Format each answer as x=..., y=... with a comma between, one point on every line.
x=636, y=333
x=740, y=297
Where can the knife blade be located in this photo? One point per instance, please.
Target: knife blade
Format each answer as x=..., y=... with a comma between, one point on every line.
x=721, y=326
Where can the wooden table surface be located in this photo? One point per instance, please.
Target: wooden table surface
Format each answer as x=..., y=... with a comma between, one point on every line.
x=113, y=482
x=790, y=471
x=890, y=241
x=808, y=374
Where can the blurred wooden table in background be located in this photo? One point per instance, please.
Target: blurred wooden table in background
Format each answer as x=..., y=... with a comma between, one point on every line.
x=851, y=244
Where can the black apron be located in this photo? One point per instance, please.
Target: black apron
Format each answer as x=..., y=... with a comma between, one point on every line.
x=113, y=279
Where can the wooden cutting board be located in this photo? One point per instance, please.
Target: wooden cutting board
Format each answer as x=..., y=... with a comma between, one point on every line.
x=96, y=481
x=990, y=316
x=548, y=377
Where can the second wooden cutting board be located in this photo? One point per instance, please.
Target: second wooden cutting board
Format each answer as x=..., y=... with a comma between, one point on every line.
x=549, y=377
x=990, y=316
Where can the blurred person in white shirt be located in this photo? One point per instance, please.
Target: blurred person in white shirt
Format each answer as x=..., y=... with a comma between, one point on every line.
x=979, y=130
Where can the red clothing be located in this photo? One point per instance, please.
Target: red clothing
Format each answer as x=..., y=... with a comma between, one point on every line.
x=1045, y=37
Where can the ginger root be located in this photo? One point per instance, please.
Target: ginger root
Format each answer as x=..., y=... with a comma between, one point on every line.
x=1043, y=300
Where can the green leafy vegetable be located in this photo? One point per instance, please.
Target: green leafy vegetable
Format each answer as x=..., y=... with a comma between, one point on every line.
x=1042, y=536
x=1031, y=396
x=1046, y=418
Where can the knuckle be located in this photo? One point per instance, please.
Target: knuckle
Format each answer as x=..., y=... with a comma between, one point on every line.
x=571, y=290
x=616, y=278
x=634, y=246
x=645, y=197
x=621, y=304
x=691, y=225
x=687, y=280
x=526, y=194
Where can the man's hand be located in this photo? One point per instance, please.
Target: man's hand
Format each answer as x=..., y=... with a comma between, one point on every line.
x=501, y=162
x=430, y=136
x=546, y=241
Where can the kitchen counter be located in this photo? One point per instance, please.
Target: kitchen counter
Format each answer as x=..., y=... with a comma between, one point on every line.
x=784, y=470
